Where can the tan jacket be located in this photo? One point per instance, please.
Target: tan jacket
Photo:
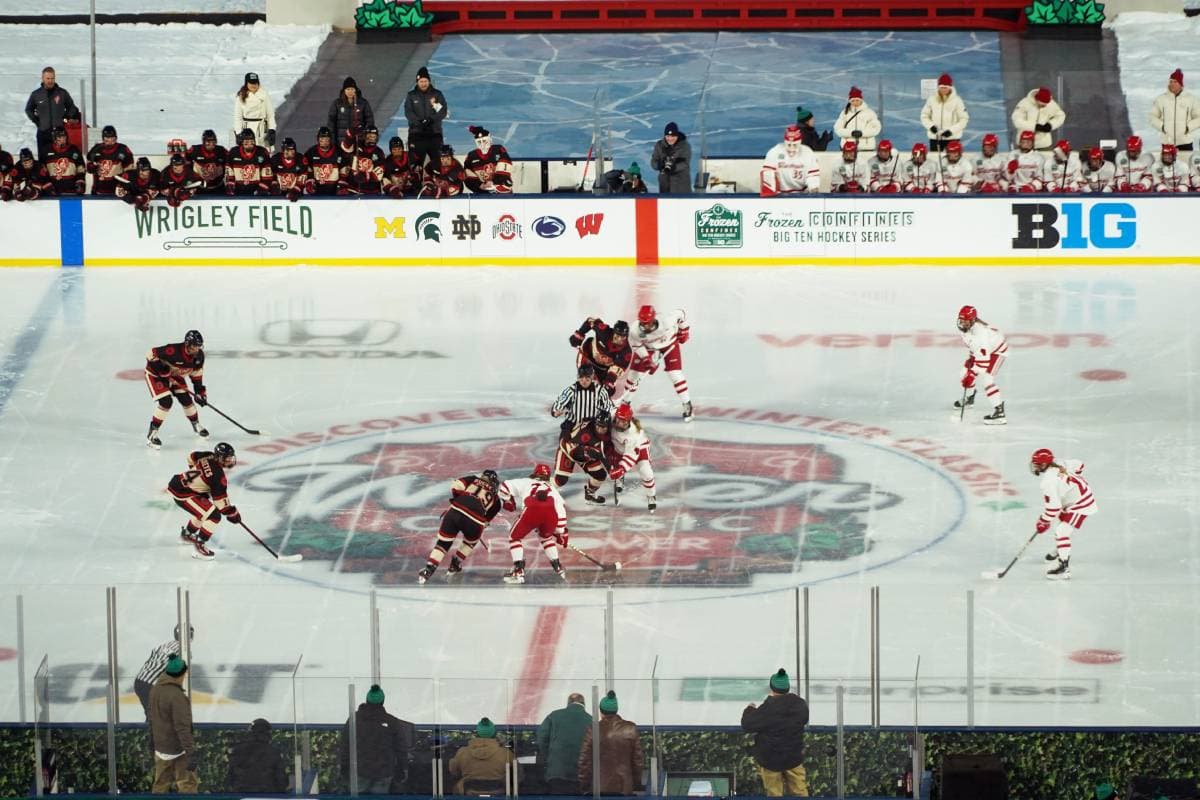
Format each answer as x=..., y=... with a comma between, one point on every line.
x=171, y=716
x=621, y=757
x=1028, y=115
x=481, y=759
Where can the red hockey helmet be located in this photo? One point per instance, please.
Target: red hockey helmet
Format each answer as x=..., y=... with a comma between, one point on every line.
x=885, y=146
x=1040, y=460
x=1134, y=145
x=954, y=146
x=967, y=314
x=541, y=472
x=624, y=413
x=920, y=148
x=1169, y=150
x=1095, y=157
x=647, y=315
x=792, y=133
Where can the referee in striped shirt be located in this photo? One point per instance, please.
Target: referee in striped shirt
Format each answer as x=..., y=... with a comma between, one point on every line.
x=150, y=672
x=582, y=400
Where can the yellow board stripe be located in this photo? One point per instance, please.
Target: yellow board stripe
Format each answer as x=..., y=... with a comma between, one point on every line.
x=938, y=261
x=361, y=262
x=30, y=262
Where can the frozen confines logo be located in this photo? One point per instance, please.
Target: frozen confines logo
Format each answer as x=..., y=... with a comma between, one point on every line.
x=506, y=228
x=752, y=499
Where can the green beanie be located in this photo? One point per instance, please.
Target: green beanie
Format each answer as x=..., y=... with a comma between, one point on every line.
x=634, y=169
x=486, y=729
x=1104, y=791
x=608, y=705
x=780, y=682
x=803, y=114
x=176, y=666
x=375, y=695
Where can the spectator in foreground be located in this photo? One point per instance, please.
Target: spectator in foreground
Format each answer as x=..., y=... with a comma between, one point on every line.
x=1105, y=791
x=483, y=759
x=255, y=765
x=175, y=759
x=559, y=738
x=425, y=108
x=944, y=115
x=1038, y=112
x=384, y=744
x=857, y=122
x=1176, y=114
x=149, y=674
x=818, y=142
x=350, y=113
x=623, y=181
x=253, y=109
x=672, y=159
x=49, y=107
x=621, y=756
x=778, y=728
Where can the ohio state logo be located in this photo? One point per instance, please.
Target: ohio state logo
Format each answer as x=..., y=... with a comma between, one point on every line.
x=750, y=498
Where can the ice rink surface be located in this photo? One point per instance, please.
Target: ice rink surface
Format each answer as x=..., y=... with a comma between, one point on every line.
x=825, y=454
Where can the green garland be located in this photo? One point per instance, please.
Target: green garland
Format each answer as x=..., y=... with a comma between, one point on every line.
x=1065, y=12
x=378, y=15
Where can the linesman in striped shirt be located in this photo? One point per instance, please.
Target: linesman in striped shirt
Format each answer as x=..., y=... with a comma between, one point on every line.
x=583, y=400
x=153, y=668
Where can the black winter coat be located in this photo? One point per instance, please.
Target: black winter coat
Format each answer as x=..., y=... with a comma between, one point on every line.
x=344, y=115
x=255, y=765
x=778, y=728
x=674, y=165
x=384, y=742
x=423, y=118
x=48, y=108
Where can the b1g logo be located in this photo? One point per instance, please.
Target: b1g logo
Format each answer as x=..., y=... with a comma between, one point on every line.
x=1103, y=226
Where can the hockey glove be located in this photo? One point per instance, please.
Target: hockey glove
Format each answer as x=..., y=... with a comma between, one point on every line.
x=270, y=137
x=1064, y=516
x=684, y=335
x=970, y=362
x=201, y=396
x=576, y=339
x=1012, y=166
x=1044, y=127
x=79, y=187
x=1042, y=526
x=231, y=514
x=561, y=538
x=617, y=473
x=968, y=380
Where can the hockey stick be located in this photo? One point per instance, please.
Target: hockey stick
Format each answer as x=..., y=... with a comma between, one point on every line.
x=289, y=559
x=250, y=431
x=962, y=409
x=989, y=574
x=587, y=163
x=613, y=567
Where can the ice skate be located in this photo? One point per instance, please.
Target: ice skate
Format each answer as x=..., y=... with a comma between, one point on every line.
x=687, y=411
x=455, y=568
x=590, y=496
x=514, y=576
x=186, y=536
x=425, y=574
x=202, y=551
x=970, y=401
x=651, y=503
x=1052, y=556
x=559, y=570
x=996, y=417
x=152, y=439
x=1062, y=572
x=200, y=430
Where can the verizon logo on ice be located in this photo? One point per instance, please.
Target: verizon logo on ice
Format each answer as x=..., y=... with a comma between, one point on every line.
x=923, y=339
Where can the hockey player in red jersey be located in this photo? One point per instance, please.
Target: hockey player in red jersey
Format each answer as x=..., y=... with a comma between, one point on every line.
x=366, y=173
x=657, y=341
x=28, y=180
x=587, y=444
x=445, y=178
x=202, y=490
x=109, y=161
x=208, y=162
x=607, y=349
x=168, y=369
x=326, y=169
x=248, y=168
x=487, y=169
x=540, y=509
x=474, y=503
x=177, y=182
x=141, y=187
x=986, y=348
x=1067, y=498
x=289, y=171
x=400, y=178
x=64, y=163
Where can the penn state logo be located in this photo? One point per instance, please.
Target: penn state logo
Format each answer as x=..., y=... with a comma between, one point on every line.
x=549, y=227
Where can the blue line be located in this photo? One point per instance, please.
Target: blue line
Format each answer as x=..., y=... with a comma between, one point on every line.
x=17, y=360
x=70, y=231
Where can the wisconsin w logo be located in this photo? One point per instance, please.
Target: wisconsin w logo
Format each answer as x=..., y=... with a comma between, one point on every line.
x=589, y=225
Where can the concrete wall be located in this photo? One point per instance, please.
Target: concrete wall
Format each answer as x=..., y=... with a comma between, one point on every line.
x=338, y=13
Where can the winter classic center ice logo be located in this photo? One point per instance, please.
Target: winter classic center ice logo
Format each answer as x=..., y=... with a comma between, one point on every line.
x=752, y=494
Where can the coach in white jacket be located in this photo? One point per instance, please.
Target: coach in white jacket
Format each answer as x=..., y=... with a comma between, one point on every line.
x=858, y=123
x=1038, y=112
x=252, y=108
x=944, y=115
x=1176, y=114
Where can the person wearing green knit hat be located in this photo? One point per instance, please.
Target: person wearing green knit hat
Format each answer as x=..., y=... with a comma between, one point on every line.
x=778, y=728
x=170, y=714
x=384, y=744
x=622, y=760
x=1106, y=791
x=483, y=760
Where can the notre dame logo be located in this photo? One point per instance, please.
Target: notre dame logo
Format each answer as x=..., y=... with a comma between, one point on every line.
x=465, y=227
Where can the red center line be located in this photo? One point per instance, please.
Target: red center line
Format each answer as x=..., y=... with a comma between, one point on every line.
x=537, y=670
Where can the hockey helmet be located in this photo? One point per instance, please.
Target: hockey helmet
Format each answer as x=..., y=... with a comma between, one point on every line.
x=1025, y=141
x=1062, y=150
x=193, y=338
x=1134, y=145
x=849, y=151
x=1169, y=150
x=954, y=147
x=1040, y=460
x=244, y=135
x=585, y=371
x=541, y=472
x=323, y=132
x=647, y=316
x=177, y=160
x=623, y=416
x=370, y=131
x=885, y=148
x=25, y=155
x=108, y=132
x=490, y=479
x=919, y=152
x=143, y=164
x=395, y=142
x=224, y=453
x=482, y=137
x=602, y=420
x=792, y=139
x=621, y=328
x=990, y=140
x=289, y=144
x=1095, y=157
x=968, y=315
x=447, y=151
x=59, y=132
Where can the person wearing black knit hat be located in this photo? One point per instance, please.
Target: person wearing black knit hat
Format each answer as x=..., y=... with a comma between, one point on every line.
x=622, y=760
x=350, y=112
x=778, y=728
x=384, y=744
x=425, y=108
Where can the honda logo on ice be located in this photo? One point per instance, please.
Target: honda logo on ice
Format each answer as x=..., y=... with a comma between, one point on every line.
x=1105, y=226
